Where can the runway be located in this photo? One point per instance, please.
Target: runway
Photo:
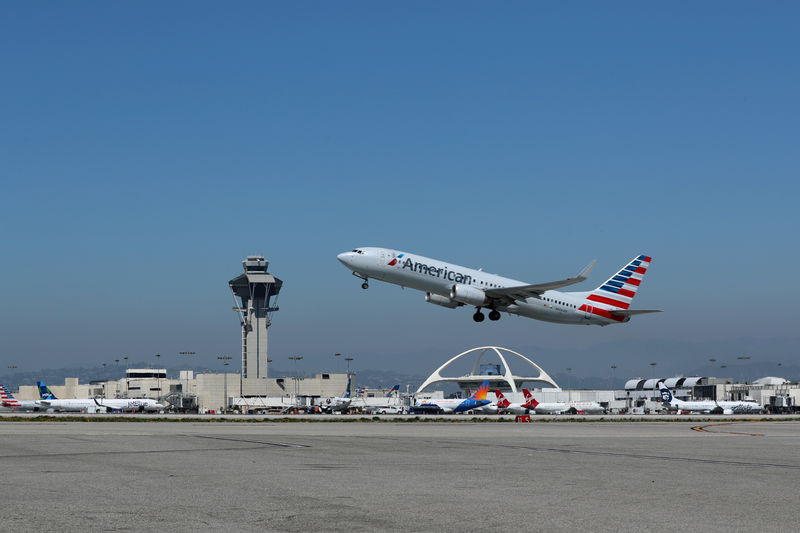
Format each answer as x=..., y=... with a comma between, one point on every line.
x=432, y=476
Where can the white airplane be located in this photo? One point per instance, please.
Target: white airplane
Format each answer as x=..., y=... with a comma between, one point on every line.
x=48, y=401
x=101, y=405
x=707, y=406
x=590, y=408
x=337, y=403
x=455, y=405
x=7, y=400
x=505, y=406
x=546, y=408
x=453, y=286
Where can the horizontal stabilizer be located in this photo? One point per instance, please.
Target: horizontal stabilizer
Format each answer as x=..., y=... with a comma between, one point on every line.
x=631, y=312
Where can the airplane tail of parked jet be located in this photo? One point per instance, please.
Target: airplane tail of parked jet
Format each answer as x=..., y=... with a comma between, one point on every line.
x=666, y=394
x=7, y=399
x=502, y=401
x=44, y=391
x=348, y=391
x=530, y=401
x=480, y=394
x=394, y=390
x=613, y=298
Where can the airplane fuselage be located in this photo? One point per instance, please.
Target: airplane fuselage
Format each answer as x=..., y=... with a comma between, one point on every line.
x=451, y=405
x=438, y=280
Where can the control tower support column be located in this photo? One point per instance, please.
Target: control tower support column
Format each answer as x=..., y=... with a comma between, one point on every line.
x=252, y=292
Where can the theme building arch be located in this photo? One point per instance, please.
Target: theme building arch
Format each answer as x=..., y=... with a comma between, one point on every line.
x=508, y=378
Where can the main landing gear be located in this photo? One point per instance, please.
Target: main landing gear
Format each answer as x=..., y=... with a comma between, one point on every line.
x=494, y=314
x=365, y=285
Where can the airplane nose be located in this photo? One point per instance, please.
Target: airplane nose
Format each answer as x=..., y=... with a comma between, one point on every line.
x=345, y=257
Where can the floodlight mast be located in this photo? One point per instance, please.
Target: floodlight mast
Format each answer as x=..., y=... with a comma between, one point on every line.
x=252, y=292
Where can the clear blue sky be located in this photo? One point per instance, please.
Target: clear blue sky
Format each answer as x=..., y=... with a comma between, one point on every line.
x=147, y=147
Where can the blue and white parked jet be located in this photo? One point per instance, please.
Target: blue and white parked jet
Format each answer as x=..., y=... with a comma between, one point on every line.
x=455, y=405
x=727, y=407
x=453, y=286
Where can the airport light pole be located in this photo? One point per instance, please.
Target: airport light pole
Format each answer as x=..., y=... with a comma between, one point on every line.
x=225, y=359
x=348, y=359
x=613, y=375
x=337, y=355
x=127, y=379
x=188, y=353
x=653, y=369
x=296, y=358
x=743, y=358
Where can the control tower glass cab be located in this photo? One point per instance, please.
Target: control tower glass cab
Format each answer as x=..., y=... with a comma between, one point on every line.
x=255, y=293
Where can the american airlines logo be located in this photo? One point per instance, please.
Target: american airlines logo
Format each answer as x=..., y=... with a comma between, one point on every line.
x=441, y=273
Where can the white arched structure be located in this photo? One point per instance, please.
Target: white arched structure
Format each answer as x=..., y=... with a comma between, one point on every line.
x=508, y=377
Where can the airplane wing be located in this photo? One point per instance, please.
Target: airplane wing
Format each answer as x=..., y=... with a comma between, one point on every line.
x=523, y=292
x=631, y=312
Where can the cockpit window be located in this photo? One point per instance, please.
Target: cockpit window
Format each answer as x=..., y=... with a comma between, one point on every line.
x=358, y=251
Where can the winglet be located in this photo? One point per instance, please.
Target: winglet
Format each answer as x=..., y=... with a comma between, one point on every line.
x=583, y=274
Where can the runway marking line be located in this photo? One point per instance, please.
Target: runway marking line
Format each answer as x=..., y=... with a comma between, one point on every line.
x=704, y=429
x=265, y=443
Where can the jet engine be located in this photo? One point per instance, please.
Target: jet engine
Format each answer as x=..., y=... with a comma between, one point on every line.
x=441, y=300
x=468, y=295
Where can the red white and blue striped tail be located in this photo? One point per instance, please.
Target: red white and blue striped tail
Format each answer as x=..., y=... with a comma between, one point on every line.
x=7, y=399
x=618, y=291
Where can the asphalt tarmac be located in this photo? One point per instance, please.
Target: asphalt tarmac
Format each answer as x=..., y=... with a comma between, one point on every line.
x=426, y=476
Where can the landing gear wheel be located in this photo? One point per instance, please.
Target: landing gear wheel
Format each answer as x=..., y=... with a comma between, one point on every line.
x=365, y=285
x=494, y=315
x=478, y=316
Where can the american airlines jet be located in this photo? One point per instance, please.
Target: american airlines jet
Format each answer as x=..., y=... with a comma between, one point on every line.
x=453, y=286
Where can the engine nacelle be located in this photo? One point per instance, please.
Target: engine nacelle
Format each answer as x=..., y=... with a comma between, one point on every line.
x=468, y=295
x=444, y=301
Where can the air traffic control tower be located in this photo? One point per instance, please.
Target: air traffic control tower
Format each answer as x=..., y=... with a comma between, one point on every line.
x=252, y=292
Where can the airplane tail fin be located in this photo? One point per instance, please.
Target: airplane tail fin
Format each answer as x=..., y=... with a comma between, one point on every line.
x=6, y=398
x=347, y=390
x=480, y=394
x=530, y=401
x=666, y=394
x=44, y=391
x=394, y=389
x=502, y=401
x=613, y=298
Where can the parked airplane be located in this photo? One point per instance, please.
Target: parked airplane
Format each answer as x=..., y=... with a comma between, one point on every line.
x=547, y=408
x=94, y=405
x=574, y=407
x=505, y=406
x=393, y=391
x=7, y=400
x=727, y=407
x=456, y=405
x=453, y=286
x=336, y=403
